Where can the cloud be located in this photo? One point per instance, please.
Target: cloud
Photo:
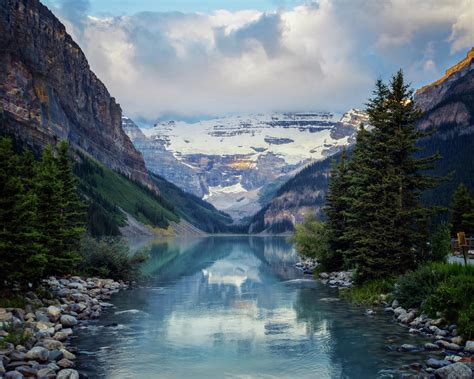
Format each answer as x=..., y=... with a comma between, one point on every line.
x=462, y=35
x=74, y=12
x=323, y=55
x=265, y=32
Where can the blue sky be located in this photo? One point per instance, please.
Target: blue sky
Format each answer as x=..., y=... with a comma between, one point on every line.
x=121, y=7
x=196, y=59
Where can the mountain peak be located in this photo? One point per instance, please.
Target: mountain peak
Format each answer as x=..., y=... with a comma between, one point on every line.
x=451, y=71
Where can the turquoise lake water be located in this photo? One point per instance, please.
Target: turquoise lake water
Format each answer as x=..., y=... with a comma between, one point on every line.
x=234, y=307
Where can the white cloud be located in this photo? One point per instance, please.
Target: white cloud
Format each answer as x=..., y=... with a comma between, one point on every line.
x=462, y=35
x=323, y=55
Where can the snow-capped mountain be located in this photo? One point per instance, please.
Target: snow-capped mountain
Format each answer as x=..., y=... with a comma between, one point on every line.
x=233, y=162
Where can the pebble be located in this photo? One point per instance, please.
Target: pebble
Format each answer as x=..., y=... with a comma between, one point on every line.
x=431, y=346
x=409, y=348
x=65, y=363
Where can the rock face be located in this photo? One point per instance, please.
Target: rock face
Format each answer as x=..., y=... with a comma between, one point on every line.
x=298, y=198
x=161, y=161
x=48, y=92
x=448, y=101
x=431, y=95
x=236, y=162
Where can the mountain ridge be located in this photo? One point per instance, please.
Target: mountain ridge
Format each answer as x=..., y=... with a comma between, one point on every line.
x=448, y=112
x=235, y=162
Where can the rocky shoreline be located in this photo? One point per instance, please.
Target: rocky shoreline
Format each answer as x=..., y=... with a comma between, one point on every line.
x=35, y=341
x=450, y=356
x=457, y=354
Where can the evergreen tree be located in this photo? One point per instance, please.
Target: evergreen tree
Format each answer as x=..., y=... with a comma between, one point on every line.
x=462, y=211
x=359, y=177
x=72, y=209
x=22, y=255
x=336, y=210
x=387, y=223
x=48, y=189
x=41, y=215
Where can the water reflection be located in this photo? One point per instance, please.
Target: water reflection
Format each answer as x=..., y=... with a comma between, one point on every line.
x=233, y=307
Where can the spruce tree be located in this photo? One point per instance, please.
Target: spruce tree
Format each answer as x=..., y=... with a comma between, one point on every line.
x=413, y=217
x=462, y=211
x=72, y=208
x=10, y=187
x=388, y=225
x=23, y=256
x=48, y=189
x=335, y=211
x=358, y=178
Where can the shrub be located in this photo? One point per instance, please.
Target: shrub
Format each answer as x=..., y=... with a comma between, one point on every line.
x=109, y=258
x=416, y=286
x=454, y=298
x=311, y=240
x=466, y=320
x=12, y=302
x=16, y=335
x=370, y=292
x=413, y=288
x=441, y=243
x=441, y=287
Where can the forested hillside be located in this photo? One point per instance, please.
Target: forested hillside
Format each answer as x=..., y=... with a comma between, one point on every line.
x=196, y=211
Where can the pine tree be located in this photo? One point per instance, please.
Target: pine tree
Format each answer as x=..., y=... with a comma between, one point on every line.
x=388, y=224
x=48, y=189
x=71, y=207
x=462, y=211
x=22, y=255
x=413, y=218
x=10, y=187
x=335, y=211
x=359, y=177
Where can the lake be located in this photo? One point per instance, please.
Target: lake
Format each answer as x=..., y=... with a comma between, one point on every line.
x=235, y=307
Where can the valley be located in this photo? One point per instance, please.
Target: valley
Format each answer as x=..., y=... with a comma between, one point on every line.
x=235, y=163
x=300, y=226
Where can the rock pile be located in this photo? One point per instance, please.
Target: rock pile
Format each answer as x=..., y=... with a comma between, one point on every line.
x=458, y=361
x=342, y=279
x=307, y=265
x=34, y=341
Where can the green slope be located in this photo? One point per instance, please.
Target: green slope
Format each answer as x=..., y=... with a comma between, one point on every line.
x=108, y=192
x=195, y=210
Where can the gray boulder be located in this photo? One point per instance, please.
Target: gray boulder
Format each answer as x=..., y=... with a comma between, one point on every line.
x=38, y=353
x=454, y=371
x=46, y=372
x=68, y=374
x=437, y=363
x=13, y=375
x=68, y=321
x=469, y=346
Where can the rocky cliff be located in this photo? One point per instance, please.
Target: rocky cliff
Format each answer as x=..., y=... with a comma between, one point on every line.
x=49, y=93
x=450, y=100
